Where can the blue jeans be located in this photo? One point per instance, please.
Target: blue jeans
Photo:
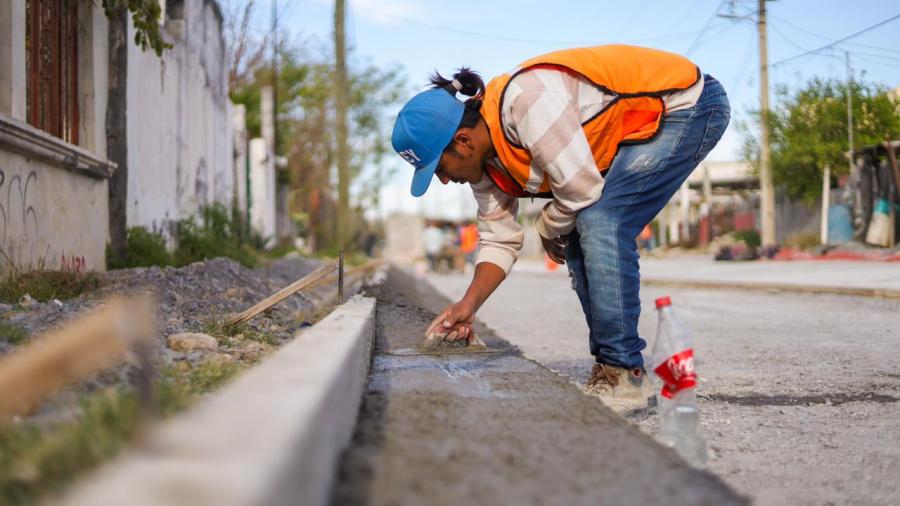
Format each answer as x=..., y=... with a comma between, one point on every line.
x=602, y=254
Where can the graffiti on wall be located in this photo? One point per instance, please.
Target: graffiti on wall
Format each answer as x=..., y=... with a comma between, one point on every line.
x=73, y=263
x=18, y=217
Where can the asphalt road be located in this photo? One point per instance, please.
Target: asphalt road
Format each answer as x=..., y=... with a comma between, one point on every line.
x=799, y=393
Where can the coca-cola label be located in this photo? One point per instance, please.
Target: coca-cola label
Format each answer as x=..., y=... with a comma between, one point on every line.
x=677, y=373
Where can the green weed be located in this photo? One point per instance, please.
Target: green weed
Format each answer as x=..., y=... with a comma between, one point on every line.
x=36, y=461
x=750, y=237
x=212, y=234
x=143, y=248
x=12, y=334
x=226, y=335
x=44, y=285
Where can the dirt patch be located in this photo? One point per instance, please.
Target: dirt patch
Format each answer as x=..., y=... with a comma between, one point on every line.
x=495, y=429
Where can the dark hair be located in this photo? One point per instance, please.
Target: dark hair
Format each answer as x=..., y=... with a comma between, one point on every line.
x=472, y=86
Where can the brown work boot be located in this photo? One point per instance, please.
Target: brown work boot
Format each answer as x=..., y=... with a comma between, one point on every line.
x=622, y=390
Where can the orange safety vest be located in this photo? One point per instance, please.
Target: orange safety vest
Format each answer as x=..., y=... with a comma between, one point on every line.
x=637, y=76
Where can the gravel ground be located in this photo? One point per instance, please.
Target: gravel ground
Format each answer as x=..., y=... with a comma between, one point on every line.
x=189, y=298
x=799, y=393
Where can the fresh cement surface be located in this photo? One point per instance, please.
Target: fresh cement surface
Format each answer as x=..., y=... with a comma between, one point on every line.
x=799, y=393
x=494, y=429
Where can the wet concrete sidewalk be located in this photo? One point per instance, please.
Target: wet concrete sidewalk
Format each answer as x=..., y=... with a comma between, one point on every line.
x=494, y=429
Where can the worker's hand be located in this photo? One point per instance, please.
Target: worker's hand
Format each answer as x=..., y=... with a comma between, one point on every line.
x=455, y=322
x=555, y=248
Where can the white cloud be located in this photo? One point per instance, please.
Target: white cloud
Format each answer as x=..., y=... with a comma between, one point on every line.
x=386, y=12
x=383, y=12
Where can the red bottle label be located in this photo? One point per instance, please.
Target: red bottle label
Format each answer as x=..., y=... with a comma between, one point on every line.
x=677, y=373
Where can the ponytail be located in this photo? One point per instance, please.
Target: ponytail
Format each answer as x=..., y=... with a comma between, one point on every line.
x=465, y=82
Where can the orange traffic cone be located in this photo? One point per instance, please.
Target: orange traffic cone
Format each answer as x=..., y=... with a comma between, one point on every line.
x=550, y=264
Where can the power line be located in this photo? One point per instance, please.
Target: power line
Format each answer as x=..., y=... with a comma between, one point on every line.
x=876, y=62
x=819, y=35
x=855, y=53
x=826, y=46
x=705, y=27
x=786, y=38
x=711, y=36
x=494, y=36
x=745, y=60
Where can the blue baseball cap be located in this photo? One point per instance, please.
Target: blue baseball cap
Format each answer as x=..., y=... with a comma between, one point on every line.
x=424, y=128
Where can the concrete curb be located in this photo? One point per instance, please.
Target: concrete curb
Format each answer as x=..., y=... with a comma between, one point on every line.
x=882, y=293
x=273, y=436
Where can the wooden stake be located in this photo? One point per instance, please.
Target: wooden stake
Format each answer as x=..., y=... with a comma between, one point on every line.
x=282, y=294
x=341, y=277
x=72, y=353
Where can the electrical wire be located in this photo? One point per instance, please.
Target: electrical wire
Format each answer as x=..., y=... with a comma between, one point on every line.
x=705, y=27
x=832, y=44
x=876, y=62
x=825, y=37
x=711, y=36
x=506, y=38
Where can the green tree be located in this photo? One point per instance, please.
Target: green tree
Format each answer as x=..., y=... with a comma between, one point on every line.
x=145, y=15
x=306, y=113
x=808, y=130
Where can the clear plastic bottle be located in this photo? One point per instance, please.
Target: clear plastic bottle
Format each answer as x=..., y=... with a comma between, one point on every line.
x=673, y=361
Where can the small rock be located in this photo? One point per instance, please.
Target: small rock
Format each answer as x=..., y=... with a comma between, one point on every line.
x=192, y=341
x=57, y=304
x=26, y=301
x=254, y=350
x=222, y=358
x=233, y=293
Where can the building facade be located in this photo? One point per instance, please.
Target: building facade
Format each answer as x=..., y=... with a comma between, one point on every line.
x=98, y=135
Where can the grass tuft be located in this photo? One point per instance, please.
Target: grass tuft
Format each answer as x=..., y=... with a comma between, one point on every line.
x=228, y=335
x=12, y=334
x=44, y=285
x=36, y=461
x=143, y=248
x=213, y=234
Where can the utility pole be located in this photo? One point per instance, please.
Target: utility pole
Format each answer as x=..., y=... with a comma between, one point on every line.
x=275, y=73
x=849, y=108
x=766, y=187
x=343, y=158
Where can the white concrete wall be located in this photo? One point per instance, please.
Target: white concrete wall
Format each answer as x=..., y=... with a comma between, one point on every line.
x=241, y=147
x=180, y=142
x=262, y=190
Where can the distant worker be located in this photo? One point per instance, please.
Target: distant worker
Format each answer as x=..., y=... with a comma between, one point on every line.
x=645, y=239
x=433, y=240
x=468, y=241
x=609, y=133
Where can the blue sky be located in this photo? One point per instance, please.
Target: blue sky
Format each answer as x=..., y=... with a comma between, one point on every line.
x=493, y=36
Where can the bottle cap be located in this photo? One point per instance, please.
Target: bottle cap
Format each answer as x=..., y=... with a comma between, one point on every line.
x=663, y=302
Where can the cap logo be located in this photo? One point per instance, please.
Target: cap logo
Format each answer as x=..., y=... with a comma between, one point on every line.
x=410, y=156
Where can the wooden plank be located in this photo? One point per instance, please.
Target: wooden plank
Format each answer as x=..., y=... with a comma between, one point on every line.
x=72, y=353
x=282, y=294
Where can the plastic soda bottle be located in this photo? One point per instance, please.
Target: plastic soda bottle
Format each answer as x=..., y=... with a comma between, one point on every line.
x=673, y=362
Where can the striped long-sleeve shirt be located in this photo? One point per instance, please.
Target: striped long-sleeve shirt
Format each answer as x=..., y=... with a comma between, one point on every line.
x=543, y=110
